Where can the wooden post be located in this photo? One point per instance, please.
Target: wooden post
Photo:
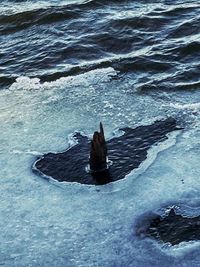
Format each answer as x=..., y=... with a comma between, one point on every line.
x=98, y=151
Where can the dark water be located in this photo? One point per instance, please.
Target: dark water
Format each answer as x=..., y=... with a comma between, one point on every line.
x=158, y=41
x=174, y=228
x=126, y=153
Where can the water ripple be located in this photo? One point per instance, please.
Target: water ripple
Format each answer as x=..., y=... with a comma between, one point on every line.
x=144, y=37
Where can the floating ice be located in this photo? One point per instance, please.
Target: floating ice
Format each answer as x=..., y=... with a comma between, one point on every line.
x=46, y=225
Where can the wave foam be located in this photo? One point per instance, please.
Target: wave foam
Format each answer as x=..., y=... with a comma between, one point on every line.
x=97, y=75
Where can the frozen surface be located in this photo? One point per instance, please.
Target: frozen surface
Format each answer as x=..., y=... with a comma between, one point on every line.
x=76, y=225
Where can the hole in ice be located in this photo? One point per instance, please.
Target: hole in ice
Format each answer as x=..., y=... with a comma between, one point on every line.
x=126, y=153
x=173, y=228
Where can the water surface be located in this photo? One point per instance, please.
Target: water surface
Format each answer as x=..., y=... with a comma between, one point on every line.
x=66, y=66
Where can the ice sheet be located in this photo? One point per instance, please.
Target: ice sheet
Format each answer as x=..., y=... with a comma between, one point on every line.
x=75, y=225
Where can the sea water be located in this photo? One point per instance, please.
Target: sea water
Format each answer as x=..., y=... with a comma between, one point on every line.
x=66, y=66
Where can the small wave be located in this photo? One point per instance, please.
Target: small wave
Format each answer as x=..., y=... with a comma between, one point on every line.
x=121, y=64
x=188, y=85
x=190, y=49
x=23, y=20
x=145, y=21
x=185, y=28
x=93, y=35
x=176, y=10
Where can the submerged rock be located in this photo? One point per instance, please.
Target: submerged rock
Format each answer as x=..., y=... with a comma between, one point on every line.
x=126, y=153
x=173, y=228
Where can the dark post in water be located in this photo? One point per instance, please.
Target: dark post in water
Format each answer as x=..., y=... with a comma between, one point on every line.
x=98, y=151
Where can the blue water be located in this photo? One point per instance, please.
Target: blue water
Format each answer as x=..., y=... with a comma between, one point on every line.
x=65, y=66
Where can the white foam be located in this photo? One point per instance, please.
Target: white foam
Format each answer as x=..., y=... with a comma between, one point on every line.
x=191, y=106
x=102, y=75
